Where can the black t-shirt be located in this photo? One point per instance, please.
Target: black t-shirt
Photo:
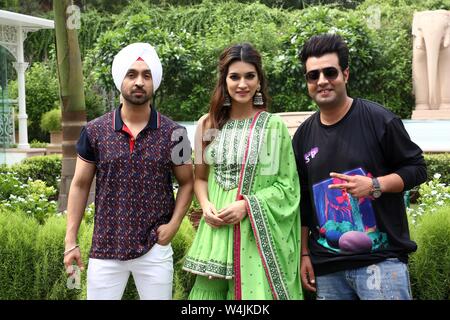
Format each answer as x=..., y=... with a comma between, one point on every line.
x=347, y=232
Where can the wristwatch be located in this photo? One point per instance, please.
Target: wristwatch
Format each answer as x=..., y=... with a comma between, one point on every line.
x=376, y=189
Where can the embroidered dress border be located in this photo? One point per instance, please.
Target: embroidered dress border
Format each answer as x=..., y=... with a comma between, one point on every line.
x=256, y=214
x=265, y=248
x=254, y=145
x=237, y=228
x=208, y=268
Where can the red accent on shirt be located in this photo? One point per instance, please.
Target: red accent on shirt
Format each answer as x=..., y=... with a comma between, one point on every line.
x=132, y=139
x=140, y=59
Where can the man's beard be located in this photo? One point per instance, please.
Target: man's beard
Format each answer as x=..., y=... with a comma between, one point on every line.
x=137, y=100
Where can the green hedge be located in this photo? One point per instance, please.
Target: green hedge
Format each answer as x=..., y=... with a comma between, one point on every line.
x=49, y=275
x=51, y=121
x=31, y=264
x=183, y=281
x=18, y=256
x=430, y=265
x=190, y=39
x=438, y=163
x=45, y=168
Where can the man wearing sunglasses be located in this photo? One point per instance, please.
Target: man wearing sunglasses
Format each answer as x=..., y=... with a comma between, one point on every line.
x=354, y=159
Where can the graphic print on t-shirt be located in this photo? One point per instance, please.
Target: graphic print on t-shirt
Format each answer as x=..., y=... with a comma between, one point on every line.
x=346, y=224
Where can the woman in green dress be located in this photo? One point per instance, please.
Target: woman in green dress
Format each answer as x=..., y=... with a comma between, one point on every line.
x=247, y=245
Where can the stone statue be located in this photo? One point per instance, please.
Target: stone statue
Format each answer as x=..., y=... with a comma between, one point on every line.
x=431, y=60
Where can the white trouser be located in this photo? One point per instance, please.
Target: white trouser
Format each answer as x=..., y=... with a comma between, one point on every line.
x=152, y=274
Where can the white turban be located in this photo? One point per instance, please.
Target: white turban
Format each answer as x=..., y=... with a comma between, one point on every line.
x=128, y=55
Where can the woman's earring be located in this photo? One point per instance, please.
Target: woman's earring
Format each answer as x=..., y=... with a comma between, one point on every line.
x=258, y=99
x=227, y=101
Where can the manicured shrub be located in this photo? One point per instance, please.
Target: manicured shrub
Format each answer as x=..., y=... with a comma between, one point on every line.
x=50, y=279
x=45, y=168
x=38, y=144
x=438, y=163
x=18, y=255
x=51, y=121
x=430, y=265
x=31, y=264
x=183, y=281
x=85, y=241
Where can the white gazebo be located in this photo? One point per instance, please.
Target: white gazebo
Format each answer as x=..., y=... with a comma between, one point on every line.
x=14, y=28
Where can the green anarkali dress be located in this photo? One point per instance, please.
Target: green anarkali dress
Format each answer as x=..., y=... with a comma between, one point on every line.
x=259, y=258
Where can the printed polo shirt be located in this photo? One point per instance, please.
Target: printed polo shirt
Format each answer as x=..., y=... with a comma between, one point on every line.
x=134, y=192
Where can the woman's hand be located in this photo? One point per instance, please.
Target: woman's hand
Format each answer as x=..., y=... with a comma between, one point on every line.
x=210, y=214
x=233, y=213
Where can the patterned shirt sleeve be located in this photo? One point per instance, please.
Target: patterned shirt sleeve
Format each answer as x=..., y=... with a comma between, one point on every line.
x=84, y=147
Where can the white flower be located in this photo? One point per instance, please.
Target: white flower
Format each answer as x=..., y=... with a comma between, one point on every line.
x=437, y=175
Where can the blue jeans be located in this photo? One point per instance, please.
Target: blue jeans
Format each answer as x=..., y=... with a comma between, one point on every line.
x=387, y=280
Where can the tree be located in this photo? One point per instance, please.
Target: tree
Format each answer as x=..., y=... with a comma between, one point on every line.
x=70, y=76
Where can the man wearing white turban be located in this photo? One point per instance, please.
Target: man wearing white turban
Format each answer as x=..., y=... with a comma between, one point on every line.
x=133, y=152
x=128, y=55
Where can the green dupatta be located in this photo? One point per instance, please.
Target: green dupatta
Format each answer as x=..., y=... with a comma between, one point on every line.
x=270, y=186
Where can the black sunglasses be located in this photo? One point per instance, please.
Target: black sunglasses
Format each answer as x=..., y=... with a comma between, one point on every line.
x=330, y=73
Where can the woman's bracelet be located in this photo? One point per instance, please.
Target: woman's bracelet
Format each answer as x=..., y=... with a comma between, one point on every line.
x=305, y=254
x=71, y=249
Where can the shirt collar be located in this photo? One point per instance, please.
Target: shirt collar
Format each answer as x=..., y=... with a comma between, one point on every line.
x=153, y=123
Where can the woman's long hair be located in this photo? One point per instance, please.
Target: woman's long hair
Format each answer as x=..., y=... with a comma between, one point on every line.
x=218, y=113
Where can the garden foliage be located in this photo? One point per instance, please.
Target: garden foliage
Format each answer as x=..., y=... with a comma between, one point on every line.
x=430, y=229
x=32, y=263
x=438, y=163
x=434, y=194
x=430, y=265
x=51, y=121
x=189, y=39
x=32, y=197
x=45, y=168
x=32, y=239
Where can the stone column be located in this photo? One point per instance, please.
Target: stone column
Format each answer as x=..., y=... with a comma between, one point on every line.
x=21, y=66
